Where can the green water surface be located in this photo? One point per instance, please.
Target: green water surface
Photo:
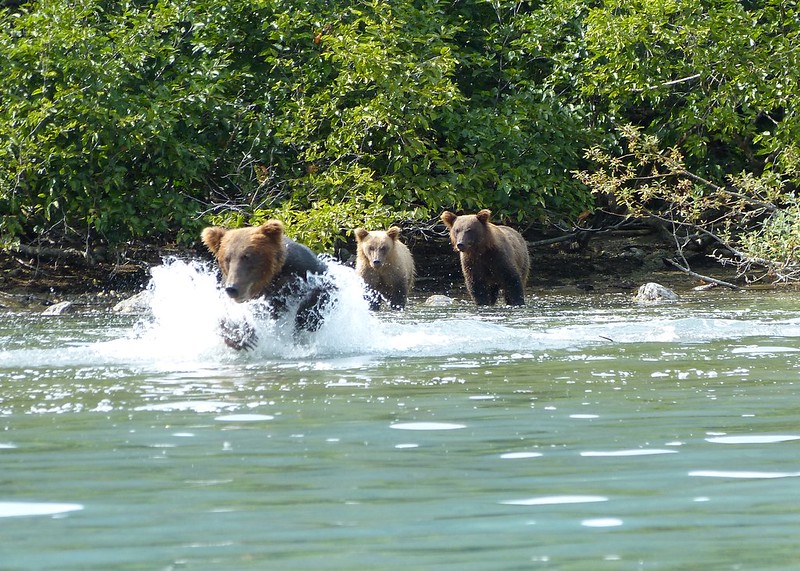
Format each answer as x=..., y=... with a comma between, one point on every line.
x=582, y=448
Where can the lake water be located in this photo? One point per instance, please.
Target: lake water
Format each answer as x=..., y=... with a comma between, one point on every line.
x=576, y=433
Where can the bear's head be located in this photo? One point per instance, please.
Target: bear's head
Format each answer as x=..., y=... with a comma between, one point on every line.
x=377, y=245
x=249, y=258
x=469, y=232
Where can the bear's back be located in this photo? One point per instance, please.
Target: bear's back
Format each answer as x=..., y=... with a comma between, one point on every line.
x=300, y=259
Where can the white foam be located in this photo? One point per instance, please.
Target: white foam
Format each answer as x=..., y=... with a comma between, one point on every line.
x=602, y=522
x=518, y=455
x=187, y=307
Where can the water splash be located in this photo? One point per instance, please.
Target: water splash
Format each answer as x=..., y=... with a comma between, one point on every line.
x=187, y=307
x=181, y=328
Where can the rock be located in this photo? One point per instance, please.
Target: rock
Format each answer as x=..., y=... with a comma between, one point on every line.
x=58, y=308
x=652, y=292
x=438, y=301
x=139, y=303
x=634, y=253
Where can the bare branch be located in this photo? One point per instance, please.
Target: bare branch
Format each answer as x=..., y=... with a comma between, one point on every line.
x=695, y=275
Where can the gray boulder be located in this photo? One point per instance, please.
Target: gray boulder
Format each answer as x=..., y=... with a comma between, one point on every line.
x=652, y=293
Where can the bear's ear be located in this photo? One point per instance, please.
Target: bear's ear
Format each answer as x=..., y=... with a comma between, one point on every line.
x=271, y=228
x=393, y=232
x=360, y=234
x=448, y=218
x=212, y=236
x=484, y=215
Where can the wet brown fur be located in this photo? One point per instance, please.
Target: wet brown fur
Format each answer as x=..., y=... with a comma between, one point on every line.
x=493, y=257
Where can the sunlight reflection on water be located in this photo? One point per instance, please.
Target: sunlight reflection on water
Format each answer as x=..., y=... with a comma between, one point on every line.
x=19, y=509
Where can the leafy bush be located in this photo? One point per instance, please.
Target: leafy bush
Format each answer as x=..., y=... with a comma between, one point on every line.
x=111, y=119
x=138, y=120
x=124, y=119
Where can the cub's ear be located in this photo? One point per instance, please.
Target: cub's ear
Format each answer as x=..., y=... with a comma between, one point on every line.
x=484, y=215
x=271, y=229
x=393, y=232
x=360, y=234
x=212, y=236
x=448, y=218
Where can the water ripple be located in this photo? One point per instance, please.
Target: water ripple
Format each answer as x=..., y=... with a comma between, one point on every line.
x=742, y=474
x=634, y=452
x=753, y=439
x=554, y=500
x=16, y=509
x=426, y=426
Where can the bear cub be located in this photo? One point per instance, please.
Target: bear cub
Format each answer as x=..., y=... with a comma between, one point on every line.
x=386, y=266
x=261, y=262
x=493, y=257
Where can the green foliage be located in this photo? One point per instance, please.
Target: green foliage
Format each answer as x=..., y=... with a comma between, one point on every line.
x=775, y=244
x=110, y=119
x=127, y=120
x=710, y=87
x=324, y=222
x=719, y=79
x=517, y=138
x=130, y=120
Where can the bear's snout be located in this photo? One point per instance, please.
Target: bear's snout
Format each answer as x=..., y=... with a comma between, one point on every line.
x=376, y=262
x=232, y=291
x=462, y=247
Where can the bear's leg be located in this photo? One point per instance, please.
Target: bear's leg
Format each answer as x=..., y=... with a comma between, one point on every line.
x=494, y=293
x=314, y=308
x=514, y=291
x=481, y=293
x=373, y=298
x=238, y=335
x=398, y=297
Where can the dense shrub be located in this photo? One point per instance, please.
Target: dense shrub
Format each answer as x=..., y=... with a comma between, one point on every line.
x=131, y=119
x=140, y=120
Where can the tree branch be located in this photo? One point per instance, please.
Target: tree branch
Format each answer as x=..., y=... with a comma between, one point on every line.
x=689, y=272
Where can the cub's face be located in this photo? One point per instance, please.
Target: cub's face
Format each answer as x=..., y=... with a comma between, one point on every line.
x=249, y=258
x=376, y=246
x=467, y=232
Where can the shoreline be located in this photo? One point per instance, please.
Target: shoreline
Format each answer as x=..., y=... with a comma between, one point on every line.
x=607, y=264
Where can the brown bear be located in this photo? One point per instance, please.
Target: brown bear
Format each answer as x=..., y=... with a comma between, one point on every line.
x=386, y=266
x=492, y=257
x=261, y=262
